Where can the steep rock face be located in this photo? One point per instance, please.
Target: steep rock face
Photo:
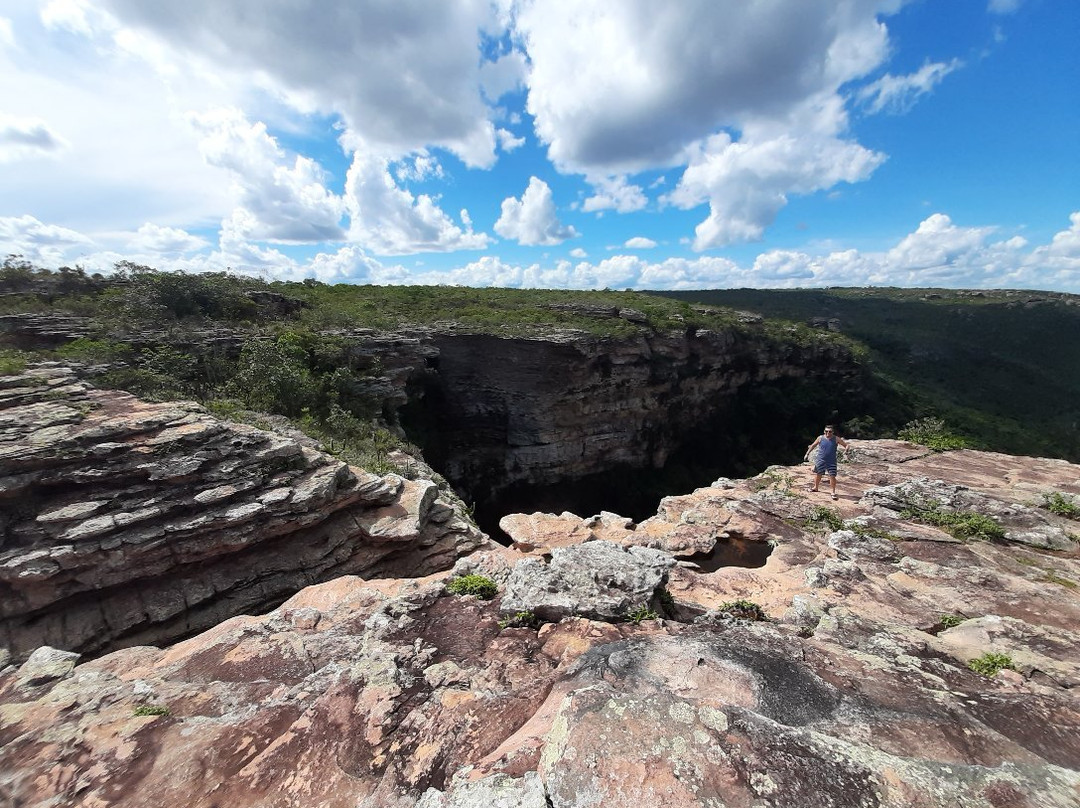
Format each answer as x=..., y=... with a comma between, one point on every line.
x=394, y=693
x=515, y=411
x=127, y=522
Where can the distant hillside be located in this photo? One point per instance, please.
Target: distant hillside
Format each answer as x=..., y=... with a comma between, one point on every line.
x=1001, y=367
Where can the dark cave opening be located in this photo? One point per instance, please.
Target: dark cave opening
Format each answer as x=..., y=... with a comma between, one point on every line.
x=750, y=430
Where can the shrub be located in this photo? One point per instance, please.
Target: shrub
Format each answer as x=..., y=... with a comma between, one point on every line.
x=820, y=516
x=931, y=433
x=152, y=709
x=11, y=363
x=990, y=663
x=1058, y=503
x=951, y=620
x=959, y=524
x=743, y=609
x=479, y=585
x=641, y=613
x=520, y=620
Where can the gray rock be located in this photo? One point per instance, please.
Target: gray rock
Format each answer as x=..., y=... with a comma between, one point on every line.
x=597, y=579
x=46, y=665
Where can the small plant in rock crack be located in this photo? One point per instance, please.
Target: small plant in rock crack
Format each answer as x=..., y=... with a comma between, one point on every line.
x=472, y=584
x=641, y=613
x=959, y=524
x=1062, y=505
x=743, y=609
x=990, y=663
x=520, y=620
x=822, y=518
x=950, y=620
x=152, y=709
x=665, y=599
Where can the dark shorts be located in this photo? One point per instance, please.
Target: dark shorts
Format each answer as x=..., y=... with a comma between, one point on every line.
x=821, y=468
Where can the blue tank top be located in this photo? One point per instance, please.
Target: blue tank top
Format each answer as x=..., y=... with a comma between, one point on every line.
x=827, y=450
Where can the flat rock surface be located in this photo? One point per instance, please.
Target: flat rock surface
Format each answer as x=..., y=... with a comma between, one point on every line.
x=855, y=691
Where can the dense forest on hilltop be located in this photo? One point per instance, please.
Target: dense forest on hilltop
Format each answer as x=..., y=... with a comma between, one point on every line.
x=1001, y=367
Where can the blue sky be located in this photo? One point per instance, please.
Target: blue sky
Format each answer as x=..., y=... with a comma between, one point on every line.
x=552, y=143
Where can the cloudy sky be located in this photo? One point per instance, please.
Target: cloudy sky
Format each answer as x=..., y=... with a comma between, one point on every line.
x=550, y=143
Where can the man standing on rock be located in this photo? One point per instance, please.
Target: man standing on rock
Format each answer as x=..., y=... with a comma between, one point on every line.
x=825, y=461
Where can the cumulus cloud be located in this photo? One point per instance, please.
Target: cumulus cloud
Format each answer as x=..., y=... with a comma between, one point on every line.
x=45, y=244
x=22, y=138
x=614, y=193
x=508, y=141
x=897, y=94
x=532, y=219
x=623, y=86
x=7, y=33
x=388, y=220
x=747, y=182
x=282, y=198
x=640, y=243
x=577, y=252
x=165, y=240
x=404, y=75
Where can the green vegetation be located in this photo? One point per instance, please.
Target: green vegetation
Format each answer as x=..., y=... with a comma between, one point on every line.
x=151, y=710
x=479, y=585
x=931, y=433
x=951, y=620
x=641, y=613
x=665, y=599
x=990, y=663
x=744, y=610
x=11, y=362
x=955, y=355
x=966, y=525
x=823, y=518
x=1062, y=505
x=520, y=620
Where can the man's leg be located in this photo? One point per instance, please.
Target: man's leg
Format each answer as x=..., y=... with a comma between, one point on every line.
x=817, y=481
x=832, y=484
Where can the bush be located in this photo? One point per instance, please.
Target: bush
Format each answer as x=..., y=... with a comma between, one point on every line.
x=820, y=516
x=990, y=663
x=959, y=524
x=1058, y=503
x=951, y=620
x=520, y=620
x=151, y=709
x=931, y=433
x=641, y=613
x=479, y=585
x=743, y=609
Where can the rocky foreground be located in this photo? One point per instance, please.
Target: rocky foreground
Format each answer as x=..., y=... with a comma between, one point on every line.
x=565, y=690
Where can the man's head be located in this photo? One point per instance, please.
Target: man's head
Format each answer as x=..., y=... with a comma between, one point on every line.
x=829, y=429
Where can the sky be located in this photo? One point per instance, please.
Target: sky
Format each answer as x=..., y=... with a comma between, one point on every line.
x=589, y=144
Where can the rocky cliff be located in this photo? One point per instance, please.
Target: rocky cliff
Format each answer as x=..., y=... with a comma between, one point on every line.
x=913, y=643
x=123, y=522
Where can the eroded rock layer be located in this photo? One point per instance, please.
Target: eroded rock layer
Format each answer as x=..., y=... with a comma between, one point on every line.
x=855, y=691
x=123, y=522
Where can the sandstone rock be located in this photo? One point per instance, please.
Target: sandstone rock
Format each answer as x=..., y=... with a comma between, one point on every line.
x=46, y=665
x=126, y=522
x=598, y=579
x=390, y=692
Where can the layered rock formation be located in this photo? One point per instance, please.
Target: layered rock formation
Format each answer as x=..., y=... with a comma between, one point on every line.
x=125, y=523
x=856, y=690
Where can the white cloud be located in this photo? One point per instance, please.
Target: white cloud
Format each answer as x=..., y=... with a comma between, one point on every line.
x=7, y=33
x=281, y=198
x=404, y=75
x=507, y=140
x=165, y=241
x=610, y=95
x=23, y=138
x=47, y=245
x=577, y=252
x=747, y=182
x=532, y=220
x=614, y=193
x=1003, y=6
x=897, y=94
x=389, y=220
x=70, y=15
x=640, y=243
